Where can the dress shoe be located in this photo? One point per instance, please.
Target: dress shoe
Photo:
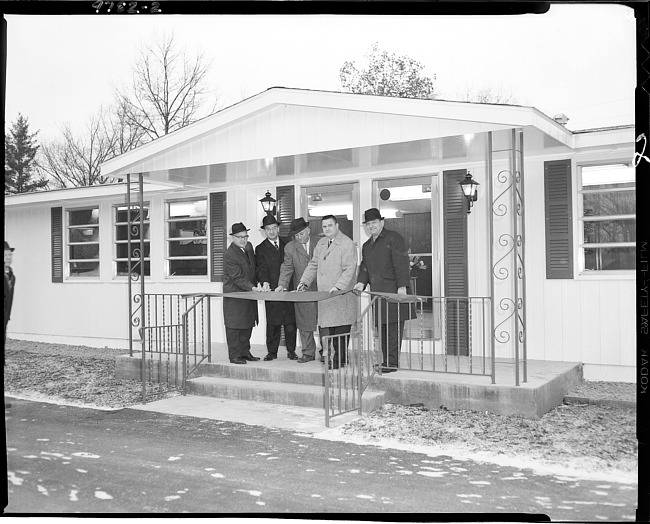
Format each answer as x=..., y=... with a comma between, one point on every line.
x=237, y=361
x=336, y=365
x=388, y=370
x=292, y=356
x=270, y=357
x=250, y=358
x=305, y=358
x=322, y=358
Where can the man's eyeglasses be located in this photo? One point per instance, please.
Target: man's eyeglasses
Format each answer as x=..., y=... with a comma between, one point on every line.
x=240, y=236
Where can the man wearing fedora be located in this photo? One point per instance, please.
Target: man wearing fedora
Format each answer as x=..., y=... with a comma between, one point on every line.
x=10, y=283
x=334, y=268
x=385, y=266
x=297, y=255
x=269, y=255
x=240, y=315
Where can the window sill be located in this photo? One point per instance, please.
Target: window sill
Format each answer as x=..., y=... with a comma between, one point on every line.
x=607, y=275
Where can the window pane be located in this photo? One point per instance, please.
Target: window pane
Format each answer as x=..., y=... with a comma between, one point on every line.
x=123, y=250
x=606, y=176
x=197, y=208
x=81, y=217
x=325, y=160
x=187, y=229
x=610, y=231
x=191, y=249
x=122, y=232
x=121, y=214
x=84, y=252
x=615, y=203
x=122, y=268
x=90, y=234
x=188, y=267
x=616, y=258
x=404, y=151
x=84, y=269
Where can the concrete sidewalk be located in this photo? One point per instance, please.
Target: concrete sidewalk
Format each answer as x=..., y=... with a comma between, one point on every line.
x=296, y=418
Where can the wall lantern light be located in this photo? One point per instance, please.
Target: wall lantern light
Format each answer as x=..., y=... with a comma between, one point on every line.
x=470, y=190
x=268, y=203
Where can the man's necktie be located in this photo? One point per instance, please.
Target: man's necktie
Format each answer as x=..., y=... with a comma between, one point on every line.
x=275, y=243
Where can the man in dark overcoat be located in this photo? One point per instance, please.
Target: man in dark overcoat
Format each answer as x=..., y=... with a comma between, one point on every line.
x=297, y=255
x=269, y=255
x=385, y=266
x=239, y=315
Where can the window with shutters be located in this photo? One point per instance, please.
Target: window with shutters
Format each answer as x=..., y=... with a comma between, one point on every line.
x=608, y=218
x=121, y=223
x=187, y=241
x=82, y=242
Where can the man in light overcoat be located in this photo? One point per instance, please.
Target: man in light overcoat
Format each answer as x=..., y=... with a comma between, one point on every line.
x=297, y=255
x=334, y=267
x=269, y=255
x=385, y=266
x=239, y=315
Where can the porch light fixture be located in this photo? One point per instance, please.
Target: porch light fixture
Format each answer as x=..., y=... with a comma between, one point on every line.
x=268, y=203
x=470, y=190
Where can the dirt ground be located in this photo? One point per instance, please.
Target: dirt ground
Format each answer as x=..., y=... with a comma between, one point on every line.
x=599, y=435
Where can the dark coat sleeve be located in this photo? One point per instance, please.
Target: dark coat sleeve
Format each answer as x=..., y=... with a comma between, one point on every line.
x=234, y=269
x=261, y=267
x=363, y=275
x=400, y=260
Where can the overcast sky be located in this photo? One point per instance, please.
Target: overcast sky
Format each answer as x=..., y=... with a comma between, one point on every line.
x=575, y=59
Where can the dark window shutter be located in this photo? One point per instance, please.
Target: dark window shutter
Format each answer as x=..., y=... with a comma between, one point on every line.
x=455, y=260
x=57, y=244
x=559, y=230
x=218, y=234
x=286, y=208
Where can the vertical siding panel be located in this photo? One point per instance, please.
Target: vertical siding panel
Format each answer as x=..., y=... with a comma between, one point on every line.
x=609, y=328
x=627, y=319
x=553, y=314
x=572, y=321
x=591, y=320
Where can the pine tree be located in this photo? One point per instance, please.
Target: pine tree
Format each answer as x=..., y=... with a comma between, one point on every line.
x=20, y=150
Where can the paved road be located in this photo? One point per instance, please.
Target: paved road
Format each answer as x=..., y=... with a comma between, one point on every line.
x=67, y=459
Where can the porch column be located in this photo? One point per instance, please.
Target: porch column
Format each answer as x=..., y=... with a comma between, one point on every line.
x=136, y=255
x=506, y=217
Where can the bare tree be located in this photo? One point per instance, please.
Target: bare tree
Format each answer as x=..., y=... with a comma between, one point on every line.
x=73, y=161
x=388, y=75
x=168, y=92
x=486, y=95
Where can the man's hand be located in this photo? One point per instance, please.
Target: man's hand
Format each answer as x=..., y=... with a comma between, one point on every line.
x=401, y=290
x=266, y=287
x=257, y=288
x=359, y=287
x=279, y=289
x=334, y=289
x=301, y=287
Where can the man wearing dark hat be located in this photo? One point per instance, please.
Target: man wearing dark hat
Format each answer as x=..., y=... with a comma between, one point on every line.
x=385, y=266
x=10, y=283
x=269, y=255
x=297, y=255
x=240, y=316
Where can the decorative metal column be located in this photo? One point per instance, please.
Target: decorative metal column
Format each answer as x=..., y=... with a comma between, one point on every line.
x=135, y=262
x=507, y=260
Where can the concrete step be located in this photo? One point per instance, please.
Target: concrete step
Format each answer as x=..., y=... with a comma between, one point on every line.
x=310, y=373
x=276, y=393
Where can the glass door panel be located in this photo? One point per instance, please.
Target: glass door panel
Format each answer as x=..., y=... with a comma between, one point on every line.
x=340, y=200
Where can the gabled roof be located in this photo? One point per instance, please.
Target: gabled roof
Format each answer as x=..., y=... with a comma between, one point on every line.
x=283, y=121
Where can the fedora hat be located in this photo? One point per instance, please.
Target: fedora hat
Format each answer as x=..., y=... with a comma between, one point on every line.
x=269, y=220
x=372, y=214
x=238, y=228
x=297, y=225
x=8, y=247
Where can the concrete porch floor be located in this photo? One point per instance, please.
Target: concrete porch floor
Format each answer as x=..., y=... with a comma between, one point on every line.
x=548, y=382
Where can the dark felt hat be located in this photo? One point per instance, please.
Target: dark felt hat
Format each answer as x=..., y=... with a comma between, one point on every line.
x=269, y=220
x=372, y=214
x=238, y=228
x=7, y=247
x=297, y=225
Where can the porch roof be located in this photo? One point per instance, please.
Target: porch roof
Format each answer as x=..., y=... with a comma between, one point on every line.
x=282, y=121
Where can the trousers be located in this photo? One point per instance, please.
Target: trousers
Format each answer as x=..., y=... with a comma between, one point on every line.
x=273, y=335
x=339, y=344
x=391, y=341
x=239, y=342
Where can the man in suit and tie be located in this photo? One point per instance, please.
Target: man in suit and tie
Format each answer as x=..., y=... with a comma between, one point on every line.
x=334, y=268
x=297, y=255
x=269, y=255
x=240, y=315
